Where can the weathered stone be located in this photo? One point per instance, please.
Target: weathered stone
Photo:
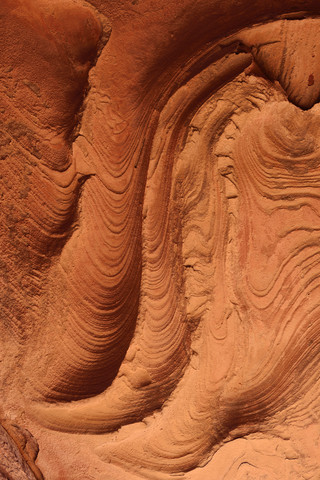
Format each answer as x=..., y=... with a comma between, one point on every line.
x=159, y=239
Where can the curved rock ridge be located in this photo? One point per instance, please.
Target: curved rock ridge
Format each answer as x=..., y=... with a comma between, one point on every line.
x=44, y=75
x=272, y=313
x=247, y=149
x=159, y=235
x=161, y=346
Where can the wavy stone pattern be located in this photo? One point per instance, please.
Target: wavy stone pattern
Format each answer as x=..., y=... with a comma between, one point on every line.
x=160, y=212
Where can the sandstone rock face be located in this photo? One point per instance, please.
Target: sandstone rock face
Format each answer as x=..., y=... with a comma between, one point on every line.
x=19, y=451
x=159, y=239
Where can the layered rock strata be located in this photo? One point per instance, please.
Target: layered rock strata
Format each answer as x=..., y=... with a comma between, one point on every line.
x=159, y=233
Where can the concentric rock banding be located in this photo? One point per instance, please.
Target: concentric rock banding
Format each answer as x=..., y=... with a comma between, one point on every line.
x=208, y=215
x=44, y=75
x=171, y=231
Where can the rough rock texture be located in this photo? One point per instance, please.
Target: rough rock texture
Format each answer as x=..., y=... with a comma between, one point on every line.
x=19, y=451
x=159, y=239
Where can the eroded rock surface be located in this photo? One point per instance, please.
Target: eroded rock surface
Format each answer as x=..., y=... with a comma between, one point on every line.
x=160, y=249
x=18, y=453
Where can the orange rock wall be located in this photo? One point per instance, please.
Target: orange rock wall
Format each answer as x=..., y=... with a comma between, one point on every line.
x=159, y=239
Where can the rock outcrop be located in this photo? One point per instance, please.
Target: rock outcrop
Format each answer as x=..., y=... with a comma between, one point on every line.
x=159, y=234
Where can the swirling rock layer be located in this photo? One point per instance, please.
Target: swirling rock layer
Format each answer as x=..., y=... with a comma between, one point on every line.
x=159, y=175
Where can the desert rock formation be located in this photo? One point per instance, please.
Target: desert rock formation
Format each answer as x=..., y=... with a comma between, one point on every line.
x=159, y=234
